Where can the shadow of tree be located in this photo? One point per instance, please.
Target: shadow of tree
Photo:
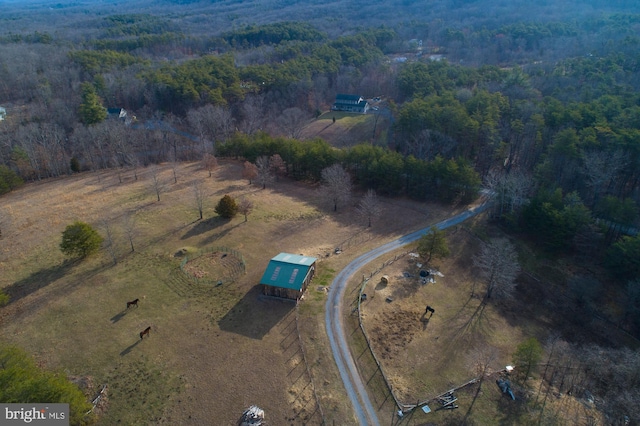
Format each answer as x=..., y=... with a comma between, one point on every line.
x=117, y=317
x=255, y=315
x=205, y=225
x=38, y=280
x=218, y=235
x=130, y=348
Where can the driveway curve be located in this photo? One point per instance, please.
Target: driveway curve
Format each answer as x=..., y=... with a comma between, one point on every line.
x=365, y=413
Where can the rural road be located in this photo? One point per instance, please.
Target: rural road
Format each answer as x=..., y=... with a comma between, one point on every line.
x=356, y=390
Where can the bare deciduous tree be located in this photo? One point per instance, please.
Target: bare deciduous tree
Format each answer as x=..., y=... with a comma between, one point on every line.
x=250, y=171
x=245, y=207
x=292, y=122
x=499, y=267
x=336, y=185
x=130, y=228
x=211, y=124
x=109, y=242
x=209, y=162
x=156, y=182
x=481, y=360
x=369, y=207
x=174, y=168
x=264, y=175
x=278, y=166
x=600, y=169
x=509, y=190
x=253, y=114
x=134, y=163
x=198, y=194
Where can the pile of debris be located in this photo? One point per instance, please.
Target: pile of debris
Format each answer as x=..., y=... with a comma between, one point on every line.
x=252, y=416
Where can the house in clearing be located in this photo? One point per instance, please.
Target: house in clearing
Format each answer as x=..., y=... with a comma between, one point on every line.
x=120, y=114
x=288, y=275
x=350, y=103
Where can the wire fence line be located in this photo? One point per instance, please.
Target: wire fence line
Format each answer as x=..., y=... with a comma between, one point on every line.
x=356, y=240
x=403, y=407
x=233, y=269
x=364, y=332
x=306, y=364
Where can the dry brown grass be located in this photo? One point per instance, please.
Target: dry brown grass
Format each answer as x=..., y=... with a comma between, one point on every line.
x=424, y=356
x=212, y=351
x=348, y=130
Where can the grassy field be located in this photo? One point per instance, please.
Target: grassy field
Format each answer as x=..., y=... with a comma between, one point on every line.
x=349, y=129
x=213, y=350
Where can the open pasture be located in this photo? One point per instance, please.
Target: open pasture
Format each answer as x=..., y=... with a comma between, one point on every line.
x=211, y=350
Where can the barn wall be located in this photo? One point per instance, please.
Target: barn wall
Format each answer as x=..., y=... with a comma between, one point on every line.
x=285, y=293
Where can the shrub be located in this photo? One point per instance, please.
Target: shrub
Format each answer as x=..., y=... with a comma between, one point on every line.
x=80, y=240
x=227, y=207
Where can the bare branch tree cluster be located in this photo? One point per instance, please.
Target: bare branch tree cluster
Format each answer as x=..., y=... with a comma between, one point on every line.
x=336, y=186
x=157, y=184
x=245, y=207
x=609, y=375
x=209, y=162
x=369, y=207
x=109, y=242
x=292, y=121
x=498, y=267
x=600, y=169
x=250, y=171
x=510, y=190
x=264, y=174
x=198, y=194
x=211, y=124
x=278, y=165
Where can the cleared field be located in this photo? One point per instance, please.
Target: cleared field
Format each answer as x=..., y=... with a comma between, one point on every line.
x=348, y=129
x=212, y=350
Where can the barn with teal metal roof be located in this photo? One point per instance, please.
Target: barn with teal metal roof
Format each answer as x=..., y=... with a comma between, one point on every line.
x=288, y=275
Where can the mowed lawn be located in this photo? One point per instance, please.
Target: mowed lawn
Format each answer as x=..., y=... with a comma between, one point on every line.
x=212, y=350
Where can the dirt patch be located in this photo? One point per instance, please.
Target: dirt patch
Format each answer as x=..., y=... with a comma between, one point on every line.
x=396, y=332
x=212, y=266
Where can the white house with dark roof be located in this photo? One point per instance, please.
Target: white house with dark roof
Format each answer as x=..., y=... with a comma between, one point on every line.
x=350, y=103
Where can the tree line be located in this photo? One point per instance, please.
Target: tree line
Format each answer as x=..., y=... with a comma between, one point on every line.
x=372, y=167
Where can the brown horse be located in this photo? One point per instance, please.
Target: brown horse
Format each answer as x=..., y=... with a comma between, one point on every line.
x=132, y=303
x=145, y=331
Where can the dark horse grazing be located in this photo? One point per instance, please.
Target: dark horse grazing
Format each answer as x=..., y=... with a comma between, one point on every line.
x=132, y=303
x=145, y=331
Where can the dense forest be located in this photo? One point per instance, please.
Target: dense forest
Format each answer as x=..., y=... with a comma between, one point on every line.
x=539, y=104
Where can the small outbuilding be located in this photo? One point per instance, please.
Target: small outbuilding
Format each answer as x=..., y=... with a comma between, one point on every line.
x=288, y=275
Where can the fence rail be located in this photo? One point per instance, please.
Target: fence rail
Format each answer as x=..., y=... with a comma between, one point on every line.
x=306, y=364
x=401, y=406
x=233, y=270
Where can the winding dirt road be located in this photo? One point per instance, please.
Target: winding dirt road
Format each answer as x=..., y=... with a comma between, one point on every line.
x=356, y=390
